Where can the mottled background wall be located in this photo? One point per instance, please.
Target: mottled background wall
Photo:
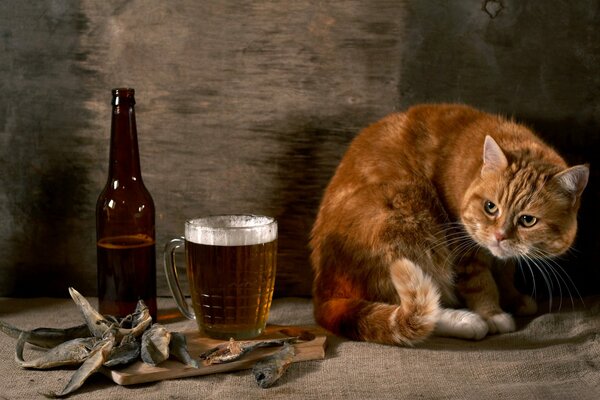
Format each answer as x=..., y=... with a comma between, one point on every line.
x=247, y=106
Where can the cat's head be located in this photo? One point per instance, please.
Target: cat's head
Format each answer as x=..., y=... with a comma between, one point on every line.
x=522, y=206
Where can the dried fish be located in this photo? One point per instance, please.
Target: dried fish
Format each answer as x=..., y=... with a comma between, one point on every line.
x=72, y=352
x=155, y=345
x=223, y=353
x=130, y=320
x=99, y=325
x=268, y=370
x=140, y=317
x=97, y=357
x=125, y=353
x=234, y=350
x=46, y=337
x=178, y=349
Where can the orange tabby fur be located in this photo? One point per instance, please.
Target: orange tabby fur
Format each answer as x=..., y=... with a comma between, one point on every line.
x=402, y=230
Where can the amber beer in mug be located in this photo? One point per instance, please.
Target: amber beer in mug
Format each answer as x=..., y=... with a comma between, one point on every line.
x=231, y=263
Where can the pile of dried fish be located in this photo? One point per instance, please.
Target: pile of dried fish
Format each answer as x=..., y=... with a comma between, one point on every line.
x=108, y=341
x=102, y=341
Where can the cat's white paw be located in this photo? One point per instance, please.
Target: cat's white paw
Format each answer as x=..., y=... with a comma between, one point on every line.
x=501, y=323
x=461, y=324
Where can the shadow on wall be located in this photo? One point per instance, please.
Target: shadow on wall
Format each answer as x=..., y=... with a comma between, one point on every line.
x=311, y=150
x=45, y=157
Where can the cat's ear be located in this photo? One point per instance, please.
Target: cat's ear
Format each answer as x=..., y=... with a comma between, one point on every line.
x=573, y=180
x=494, y=160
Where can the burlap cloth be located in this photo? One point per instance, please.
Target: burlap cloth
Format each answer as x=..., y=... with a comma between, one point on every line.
x=551, y=356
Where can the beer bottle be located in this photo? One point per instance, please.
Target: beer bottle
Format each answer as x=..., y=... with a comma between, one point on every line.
x=125, y=232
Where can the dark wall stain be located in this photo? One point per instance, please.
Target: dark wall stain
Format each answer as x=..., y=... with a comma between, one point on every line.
x=44, y=165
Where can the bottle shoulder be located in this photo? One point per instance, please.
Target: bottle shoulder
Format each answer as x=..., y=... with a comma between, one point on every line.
x=125, y=188
x=120, y=195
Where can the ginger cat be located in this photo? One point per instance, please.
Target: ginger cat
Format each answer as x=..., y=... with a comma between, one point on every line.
x=424, y=207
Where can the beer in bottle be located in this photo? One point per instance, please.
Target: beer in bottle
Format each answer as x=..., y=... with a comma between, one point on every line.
x=125, y=230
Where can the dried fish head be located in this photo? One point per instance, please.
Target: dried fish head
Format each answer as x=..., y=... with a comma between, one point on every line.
x=141, y=314
x=225, y=352
x=268, y=370
x=142, y=319
x=155, y=345
x=98, y=325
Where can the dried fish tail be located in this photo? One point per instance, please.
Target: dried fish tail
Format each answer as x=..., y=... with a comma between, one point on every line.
x=97, y=357
x=178, y=349
x=46, y=337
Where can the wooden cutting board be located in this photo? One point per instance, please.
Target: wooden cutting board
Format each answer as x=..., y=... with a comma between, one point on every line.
x=140, y=372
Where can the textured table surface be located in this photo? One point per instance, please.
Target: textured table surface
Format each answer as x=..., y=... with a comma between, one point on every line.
x=551, y=356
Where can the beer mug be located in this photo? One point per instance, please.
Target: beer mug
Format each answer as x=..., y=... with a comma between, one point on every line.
x=230, y=263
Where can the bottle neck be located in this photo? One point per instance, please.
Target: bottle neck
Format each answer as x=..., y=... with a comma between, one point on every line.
x=124, y=153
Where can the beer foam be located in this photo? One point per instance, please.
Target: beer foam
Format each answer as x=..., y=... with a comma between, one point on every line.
x=231, y=230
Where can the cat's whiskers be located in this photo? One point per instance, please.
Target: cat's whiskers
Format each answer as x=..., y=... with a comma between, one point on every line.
x=460, y=246
x=526, y=259
x=549, y=268
x=546, y=272
x=441, y=240
x=446, y=234
x=558, y=277
x=464, y=249
x=454, y=242
x=572, y=250
x=459, y=243
x=457, y=240
x=559, y=272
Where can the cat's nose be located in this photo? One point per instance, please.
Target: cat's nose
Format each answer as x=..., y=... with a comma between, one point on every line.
x=500, y=236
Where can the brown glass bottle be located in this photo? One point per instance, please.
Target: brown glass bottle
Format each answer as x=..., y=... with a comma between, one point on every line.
x=125, y=230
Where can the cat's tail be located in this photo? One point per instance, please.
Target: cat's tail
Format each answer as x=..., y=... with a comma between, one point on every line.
x=410, y=322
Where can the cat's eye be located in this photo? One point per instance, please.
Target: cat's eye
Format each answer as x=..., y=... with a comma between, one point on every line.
x=527, y=221
x=490, y=207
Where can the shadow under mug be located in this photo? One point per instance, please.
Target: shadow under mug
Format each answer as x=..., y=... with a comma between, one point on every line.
x=230, y=263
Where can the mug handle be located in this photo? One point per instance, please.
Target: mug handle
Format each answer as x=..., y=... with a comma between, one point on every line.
x=172, y=278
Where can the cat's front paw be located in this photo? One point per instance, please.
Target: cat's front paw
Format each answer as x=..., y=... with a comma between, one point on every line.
x=461, y=324
x=501, y=323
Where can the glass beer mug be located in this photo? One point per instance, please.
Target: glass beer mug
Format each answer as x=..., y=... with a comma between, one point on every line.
x=230, y=264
